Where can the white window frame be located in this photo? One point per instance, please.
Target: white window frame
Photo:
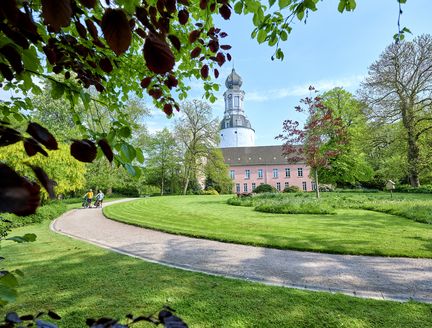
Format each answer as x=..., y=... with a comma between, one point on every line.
x=278, y=186
x=260, y=173
x=232, y=174
x=304, y=185
x=253, y=186
x=300, y=172
x=286, y=184
x=275, y=173
x=238, y=188
x=287, y=172
x=247, y=174
x=245, y=187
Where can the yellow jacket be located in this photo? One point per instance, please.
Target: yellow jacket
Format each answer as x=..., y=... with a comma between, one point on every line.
x=90, y=195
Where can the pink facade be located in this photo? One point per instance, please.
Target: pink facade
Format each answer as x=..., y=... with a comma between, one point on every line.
x=247, y=177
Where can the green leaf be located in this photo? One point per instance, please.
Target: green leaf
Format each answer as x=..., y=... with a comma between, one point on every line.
x=7, y=294
x=9, y=280
x=284, y=3
x=283, y=35
x=238, y=7
x=261, y=36
x=139, y=155
x=310, y=4
x=128, y=152
x=125, y=132
x=57, y=90
x=130, y=169
x=28, y=237
x=271, y=2
x=341, y=6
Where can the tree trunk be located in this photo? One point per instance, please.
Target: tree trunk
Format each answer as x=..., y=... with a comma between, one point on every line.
x=317, y=193
x=413, y=160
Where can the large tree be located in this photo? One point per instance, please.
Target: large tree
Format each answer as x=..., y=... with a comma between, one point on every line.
x=399, y=88
x=197, y=131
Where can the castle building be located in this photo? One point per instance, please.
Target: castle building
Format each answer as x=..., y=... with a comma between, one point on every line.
x=251, y=165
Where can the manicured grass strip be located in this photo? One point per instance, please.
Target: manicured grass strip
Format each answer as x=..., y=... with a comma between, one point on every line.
x=347, y=232
x=79, y=280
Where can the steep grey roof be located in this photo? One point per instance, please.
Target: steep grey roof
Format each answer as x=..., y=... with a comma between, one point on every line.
x=235, y=120
x=233, y=80
x=259, y=155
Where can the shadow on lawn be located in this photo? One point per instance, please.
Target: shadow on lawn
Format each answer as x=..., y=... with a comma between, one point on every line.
x=80, y=282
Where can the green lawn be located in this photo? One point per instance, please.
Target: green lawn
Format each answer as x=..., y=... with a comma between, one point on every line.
x=79, y=280
x=350, y=231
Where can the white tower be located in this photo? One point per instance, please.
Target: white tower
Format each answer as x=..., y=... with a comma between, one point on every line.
x=235, y=128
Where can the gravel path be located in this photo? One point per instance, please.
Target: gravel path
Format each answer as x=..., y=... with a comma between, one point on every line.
x=362, y=276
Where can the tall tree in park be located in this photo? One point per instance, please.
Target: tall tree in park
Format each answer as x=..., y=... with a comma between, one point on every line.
x=351, y=164
x=321, y=139
x=216, y=173
x=399, y=88
x=161, y=157
x=197, y=131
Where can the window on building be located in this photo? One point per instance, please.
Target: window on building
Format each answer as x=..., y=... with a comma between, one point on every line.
x=253, y=186
x=313, y=185
x=287, y=172
x=275, y=173
x=278, y=186
x=238, y=188
x=247, y=174
x=236, y=101
x=304, y=186
x=260, y=173
x=232, y=174
x=286, y=184
x=300, y=172
x=245, y=187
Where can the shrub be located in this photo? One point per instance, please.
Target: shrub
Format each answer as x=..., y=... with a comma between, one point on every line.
x=296, y=206
x=264, y=188
x=47, y=212
x=426, y=189
x=292, y=189
x=210, y=191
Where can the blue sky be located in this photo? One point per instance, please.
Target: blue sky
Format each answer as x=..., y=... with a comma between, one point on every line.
x=331, y=50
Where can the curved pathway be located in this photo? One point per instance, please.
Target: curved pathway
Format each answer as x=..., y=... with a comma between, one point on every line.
x=362, y=276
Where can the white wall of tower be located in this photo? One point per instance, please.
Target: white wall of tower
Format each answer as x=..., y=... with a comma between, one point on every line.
x=237, y=137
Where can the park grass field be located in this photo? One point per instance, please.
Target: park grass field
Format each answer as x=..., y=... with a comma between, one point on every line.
x=349, y=231
x=79, y=281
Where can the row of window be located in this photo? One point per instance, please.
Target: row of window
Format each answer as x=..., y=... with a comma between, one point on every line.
x=275, y=173
x=278, y=186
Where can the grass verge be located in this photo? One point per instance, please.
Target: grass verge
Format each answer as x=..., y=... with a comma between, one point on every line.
x=79, y=281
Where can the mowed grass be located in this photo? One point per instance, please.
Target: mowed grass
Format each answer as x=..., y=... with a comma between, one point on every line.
x=79, y=280
x=349, y=231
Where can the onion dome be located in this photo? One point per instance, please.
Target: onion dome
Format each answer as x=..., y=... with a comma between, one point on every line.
x=233, y=80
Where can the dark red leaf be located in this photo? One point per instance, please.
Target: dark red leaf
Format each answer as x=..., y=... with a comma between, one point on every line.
x=171, y=82
x=225, y=47
x=91, y=28
x=141, y=32
x=160, y=4
x=183, y=16
x=67, y=75
x=228, y=57
x=220, y=57
x=184, y=2
x=81, y=29
x=203, y=4
x=83, y=150
x=142, y=15
x=216, y=73
x=194, y=35
x=177, y=107
x=175, y=41
x=46, y=182
x=116, y=29
x=145, y=82
x=6, y=72
x=15, y=36
x=195, y=52
x=88, y=3
x=17, y=194
x=204, y=71
x=132, y=23
x=223, y=35
x=155, y=93
x=8, y=136
x=170, y=6
x=42, y=135
x=9, y=9
x=225, y=11
x=213, y=46
x=212, y=6
x=105, y=65
x=57, y=14
x=32, y=147
x=168, y=109
x=27, y=27
x=164, y=25
x=106, y=149
x=158, y=55
x=13, y=57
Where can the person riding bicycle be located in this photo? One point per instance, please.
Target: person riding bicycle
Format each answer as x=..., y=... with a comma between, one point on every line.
x=99, y=199
x=89, y=196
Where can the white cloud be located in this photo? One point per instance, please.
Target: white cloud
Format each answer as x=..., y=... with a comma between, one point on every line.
x=303, y=89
